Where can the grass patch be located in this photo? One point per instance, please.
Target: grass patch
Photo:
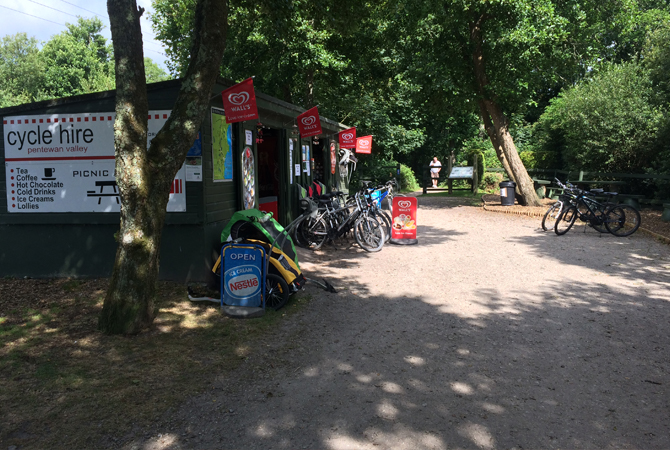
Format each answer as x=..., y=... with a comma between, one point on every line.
x=60, y=377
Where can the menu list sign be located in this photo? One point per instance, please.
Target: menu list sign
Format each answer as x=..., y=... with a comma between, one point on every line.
x=65, y=163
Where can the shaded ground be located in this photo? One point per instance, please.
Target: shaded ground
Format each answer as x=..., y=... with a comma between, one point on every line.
x=489, y=334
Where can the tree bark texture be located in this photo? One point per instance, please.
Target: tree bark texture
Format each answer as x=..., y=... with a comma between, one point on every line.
x=145, y=173
x=491, y=132
x=496, y=123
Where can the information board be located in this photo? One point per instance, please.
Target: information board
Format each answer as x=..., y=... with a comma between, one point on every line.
x=461, y=172
x=65, y=163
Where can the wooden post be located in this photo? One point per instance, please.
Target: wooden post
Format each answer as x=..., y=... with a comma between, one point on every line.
x=475, y=176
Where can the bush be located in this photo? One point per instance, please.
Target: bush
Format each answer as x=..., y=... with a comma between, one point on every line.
x=408, y=181
x=490, y=181
x=380, y=172
x=606, y=124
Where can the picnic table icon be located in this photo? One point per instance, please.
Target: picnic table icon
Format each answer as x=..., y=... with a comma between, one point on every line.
x=102, y=185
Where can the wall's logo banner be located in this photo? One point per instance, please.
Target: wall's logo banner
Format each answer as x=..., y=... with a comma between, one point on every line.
x=364, y=144
x=239, y=102
x=404, y=220
x=65, y=163
x=309, y=123
x=348, y=138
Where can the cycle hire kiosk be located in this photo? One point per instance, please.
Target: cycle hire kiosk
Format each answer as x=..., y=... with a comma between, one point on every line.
x=243, y=280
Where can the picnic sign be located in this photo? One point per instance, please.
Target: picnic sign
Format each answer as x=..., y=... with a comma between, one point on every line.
x=239, y=102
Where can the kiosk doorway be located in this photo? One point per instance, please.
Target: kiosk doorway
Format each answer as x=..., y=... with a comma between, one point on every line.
x=268, y=171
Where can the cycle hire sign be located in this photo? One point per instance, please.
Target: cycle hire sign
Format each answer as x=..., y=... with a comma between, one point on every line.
x=243, y=275
x=403, y=230
x=58, y=163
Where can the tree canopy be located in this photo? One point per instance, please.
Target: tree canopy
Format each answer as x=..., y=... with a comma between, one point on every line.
x=77, y=61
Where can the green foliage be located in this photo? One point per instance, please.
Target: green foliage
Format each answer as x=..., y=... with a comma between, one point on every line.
x=21, y=70
x=407, y=181
x=489, y=182
x=380, y=171
x=78, y=60
x=606, y=124
x=656, y=59
x=154, y=72
x=528, y=159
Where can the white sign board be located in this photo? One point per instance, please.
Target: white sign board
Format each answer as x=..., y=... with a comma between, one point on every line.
x=461, y=172
x=65, y=163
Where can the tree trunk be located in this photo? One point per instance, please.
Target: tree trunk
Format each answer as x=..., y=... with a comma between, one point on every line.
x=491, y=132
x=497, y=125
x=144, y=175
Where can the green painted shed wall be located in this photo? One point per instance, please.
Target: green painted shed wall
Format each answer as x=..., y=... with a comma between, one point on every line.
x=83, y=245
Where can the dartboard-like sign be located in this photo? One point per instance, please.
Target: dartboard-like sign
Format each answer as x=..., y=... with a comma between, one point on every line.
x=248, y=178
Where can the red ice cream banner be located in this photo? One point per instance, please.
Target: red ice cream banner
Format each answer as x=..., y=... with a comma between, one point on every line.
x=333, y=158
x=404, y=220
x=348, y=138
x=239, y=102
x=364, y=144
x=309, y=123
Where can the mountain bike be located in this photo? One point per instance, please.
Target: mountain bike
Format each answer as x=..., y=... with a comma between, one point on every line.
x=620, y=220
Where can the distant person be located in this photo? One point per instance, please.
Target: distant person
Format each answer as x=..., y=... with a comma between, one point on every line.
x=435, y=167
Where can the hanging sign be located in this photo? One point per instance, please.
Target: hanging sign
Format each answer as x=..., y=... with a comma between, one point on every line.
x=239, y=102
x=364, y=144
x=57, y=163
x=348, y=138
x=403, y=230
x=333, y=158
x=309, y=123
x=248, y=178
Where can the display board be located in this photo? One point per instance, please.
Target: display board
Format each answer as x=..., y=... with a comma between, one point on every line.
x=461, y=172
x=65, y=163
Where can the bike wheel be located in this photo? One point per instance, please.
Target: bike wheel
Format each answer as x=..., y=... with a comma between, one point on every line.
x=276, y=292
x=566, y=220
x=369, y=234
x=386, y=223
x=623, y=220
x=598, y=222
x=312, y=233
x=550, y=216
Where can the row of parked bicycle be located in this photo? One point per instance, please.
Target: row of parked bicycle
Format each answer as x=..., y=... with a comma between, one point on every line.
x=604, y=217
x=329, y=217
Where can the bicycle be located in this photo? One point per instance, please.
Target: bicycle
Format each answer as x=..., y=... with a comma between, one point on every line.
x=327, y=222
x=569, y=197
x=620, y=220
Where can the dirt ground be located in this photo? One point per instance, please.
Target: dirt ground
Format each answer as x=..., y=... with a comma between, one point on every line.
x=488, y=334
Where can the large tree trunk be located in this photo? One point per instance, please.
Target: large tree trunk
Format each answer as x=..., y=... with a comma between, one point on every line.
x=144, y=175
x=496, y=123
x=491, y=132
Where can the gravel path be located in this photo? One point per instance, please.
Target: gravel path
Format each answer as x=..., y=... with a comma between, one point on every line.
x=489, y=334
